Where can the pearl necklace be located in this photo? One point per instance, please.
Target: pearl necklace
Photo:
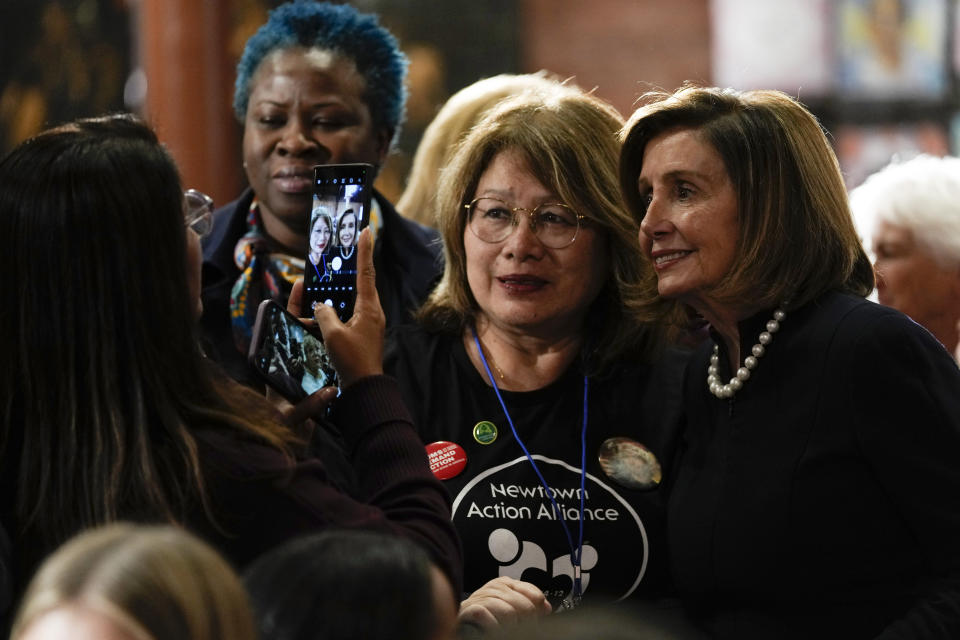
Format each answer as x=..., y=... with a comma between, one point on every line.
x=724, y=391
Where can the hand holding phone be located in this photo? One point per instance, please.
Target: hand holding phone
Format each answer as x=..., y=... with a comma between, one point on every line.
x=356, y=347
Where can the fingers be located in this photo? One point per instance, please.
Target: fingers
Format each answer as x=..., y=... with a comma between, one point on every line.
x=296, y=297
x=956, y=354
x=503, y=600
x=356, y=348
x=477, y=615
x=313, y=405
x=328, y=323
x=368, y=302
x=277, y=400
x=532, y=593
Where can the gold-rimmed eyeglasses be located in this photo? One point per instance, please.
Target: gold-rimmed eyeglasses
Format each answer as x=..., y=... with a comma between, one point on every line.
x=198, y=211
x=492, y=220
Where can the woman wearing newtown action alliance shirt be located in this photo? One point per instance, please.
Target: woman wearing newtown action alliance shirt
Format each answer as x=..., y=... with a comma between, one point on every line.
x=538, y=391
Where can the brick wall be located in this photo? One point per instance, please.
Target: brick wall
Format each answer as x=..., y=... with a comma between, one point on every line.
x=621, y=47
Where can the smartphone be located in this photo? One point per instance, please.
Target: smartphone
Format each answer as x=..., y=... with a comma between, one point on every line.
x=340, y=211
x=287, y=356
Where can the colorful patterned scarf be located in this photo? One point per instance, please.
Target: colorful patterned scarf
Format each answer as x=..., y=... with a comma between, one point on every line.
x=263, y=275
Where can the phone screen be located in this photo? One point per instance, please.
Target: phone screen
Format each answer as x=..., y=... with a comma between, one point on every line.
x=287, y=355
x=340, y=211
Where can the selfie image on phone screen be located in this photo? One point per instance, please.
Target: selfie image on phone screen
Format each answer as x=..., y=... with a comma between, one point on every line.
x=340, y=211
x=291, y=359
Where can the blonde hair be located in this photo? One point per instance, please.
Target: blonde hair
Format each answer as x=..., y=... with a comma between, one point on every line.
x=796, y=235
x=155, y=582
x=451, y=124
x=568, y=140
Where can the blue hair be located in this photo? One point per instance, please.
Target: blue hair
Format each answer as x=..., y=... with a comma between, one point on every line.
x=344, y=31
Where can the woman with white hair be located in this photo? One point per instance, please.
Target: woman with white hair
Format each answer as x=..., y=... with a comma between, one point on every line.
x=912, y=211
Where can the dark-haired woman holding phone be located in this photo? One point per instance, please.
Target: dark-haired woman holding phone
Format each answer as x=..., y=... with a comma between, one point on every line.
x=110, y=410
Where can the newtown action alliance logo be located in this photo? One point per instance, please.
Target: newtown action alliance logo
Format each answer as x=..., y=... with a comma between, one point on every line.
x=510, y=528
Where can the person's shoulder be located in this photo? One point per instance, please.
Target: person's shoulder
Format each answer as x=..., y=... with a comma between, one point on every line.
x=409, y=332
x=428, y=235
x=403, y=227
x=411, y=344
x=835, y=314
x=865, y=332
x=229, y=222
x=853, y=316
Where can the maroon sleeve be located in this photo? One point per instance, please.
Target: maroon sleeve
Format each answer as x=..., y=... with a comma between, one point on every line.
x=260, y=497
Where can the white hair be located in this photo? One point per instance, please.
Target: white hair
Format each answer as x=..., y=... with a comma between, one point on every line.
x=921, y=195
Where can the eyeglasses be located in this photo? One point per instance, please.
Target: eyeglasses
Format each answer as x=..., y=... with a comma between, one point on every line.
x=492, y=220
x=198, y=211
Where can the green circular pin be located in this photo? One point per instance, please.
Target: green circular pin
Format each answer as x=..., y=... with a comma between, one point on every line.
x=485, y=432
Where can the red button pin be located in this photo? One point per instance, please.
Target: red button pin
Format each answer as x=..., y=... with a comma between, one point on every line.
x=447, y=459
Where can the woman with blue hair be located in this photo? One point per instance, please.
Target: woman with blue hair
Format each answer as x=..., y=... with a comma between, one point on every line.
x=318, y=83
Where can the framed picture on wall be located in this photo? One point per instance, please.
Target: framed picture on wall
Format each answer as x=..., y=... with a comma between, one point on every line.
x=772, y=45
x=892, y=48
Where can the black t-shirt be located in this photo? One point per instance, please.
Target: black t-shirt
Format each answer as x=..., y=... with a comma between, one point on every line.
x=500, y=508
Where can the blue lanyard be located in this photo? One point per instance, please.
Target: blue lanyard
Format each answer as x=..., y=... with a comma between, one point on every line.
x=575, y=552
x=322, y=261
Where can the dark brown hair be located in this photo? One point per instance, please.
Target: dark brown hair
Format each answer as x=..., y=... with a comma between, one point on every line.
x=103, y=383
x=796, y=238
